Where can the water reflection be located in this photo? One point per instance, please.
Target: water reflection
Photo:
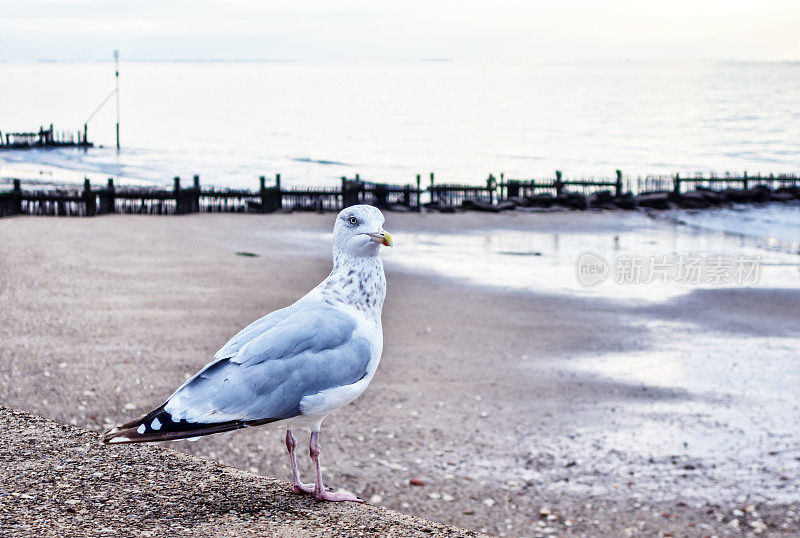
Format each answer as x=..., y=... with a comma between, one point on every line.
x=546, y=262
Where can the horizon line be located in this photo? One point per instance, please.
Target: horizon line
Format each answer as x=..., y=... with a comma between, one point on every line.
x=402, y=60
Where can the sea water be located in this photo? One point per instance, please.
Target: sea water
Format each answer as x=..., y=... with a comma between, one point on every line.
x=231, y=122
x=312, y=122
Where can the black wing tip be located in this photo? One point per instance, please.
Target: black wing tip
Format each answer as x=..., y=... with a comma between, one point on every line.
x=132, y=431
x=142, y=434
x=158, y=425
x=140, y=430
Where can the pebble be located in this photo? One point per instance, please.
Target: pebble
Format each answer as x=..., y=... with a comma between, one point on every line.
x=416, y=482
x=375, y=499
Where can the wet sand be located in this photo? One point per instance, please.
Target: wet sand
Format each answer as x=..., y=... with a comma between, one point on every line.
x=522, y=413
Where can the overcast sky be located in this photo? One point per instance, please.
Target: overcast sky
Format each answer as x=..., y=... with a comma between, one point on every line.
x=537, y=30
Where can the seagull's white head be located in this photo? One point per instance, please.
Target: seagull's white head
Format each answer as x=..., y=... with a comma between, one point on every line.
x=359, y=231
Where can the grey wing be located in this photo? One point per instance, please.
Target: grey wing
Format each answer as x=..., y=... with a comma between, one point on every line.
x=311, y=349
x=258, y=327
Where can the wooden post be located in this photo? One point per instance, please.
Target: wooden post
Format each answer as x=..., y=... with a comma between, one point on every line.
x=196, y=195
x=558, y=184
x=17, y=203
x=262, y=193
x=619, y=183
x=419, y=194
x=744, y=181
x=278, y=196
x=116, y=88
x=89, y=199
x=349, y=192
x=676, y=184
x=177, y=194
x=111, y=197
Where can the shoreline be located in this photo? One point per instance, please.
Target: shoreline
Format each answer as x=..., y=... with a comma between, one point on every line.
x=507, y=405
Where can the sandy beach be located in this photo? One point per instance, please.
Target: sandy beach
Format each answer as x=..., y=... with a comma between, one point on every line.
x=523, y=413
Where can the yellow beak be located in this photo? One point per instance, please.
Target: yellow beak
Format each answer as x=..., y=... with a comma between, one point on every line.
x=383, y=237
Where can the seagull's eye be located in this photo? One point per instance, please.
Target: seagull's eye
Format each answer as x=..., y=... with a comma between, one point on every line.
x=353, y=221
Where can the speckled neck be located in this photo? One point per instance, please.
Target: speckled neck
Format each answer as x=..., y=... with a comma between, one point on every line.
x=356, y=281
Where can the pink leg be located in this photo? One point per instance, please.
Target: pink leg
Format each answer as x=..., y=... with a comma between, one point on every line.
x=320, y=492
x=297, y=486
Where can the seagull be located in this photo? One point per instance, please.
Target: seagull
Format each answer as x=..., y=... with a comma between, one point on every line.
x=294, y=366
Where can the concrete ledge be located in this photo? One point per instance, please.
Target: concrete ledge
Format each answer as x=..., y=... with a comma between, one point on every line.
x=60, y=480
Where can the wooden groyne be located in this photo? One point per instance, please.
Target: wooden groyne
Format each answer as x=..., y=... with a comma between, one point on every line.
x=92, y=201
x=45, y=138
x=654, y=192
